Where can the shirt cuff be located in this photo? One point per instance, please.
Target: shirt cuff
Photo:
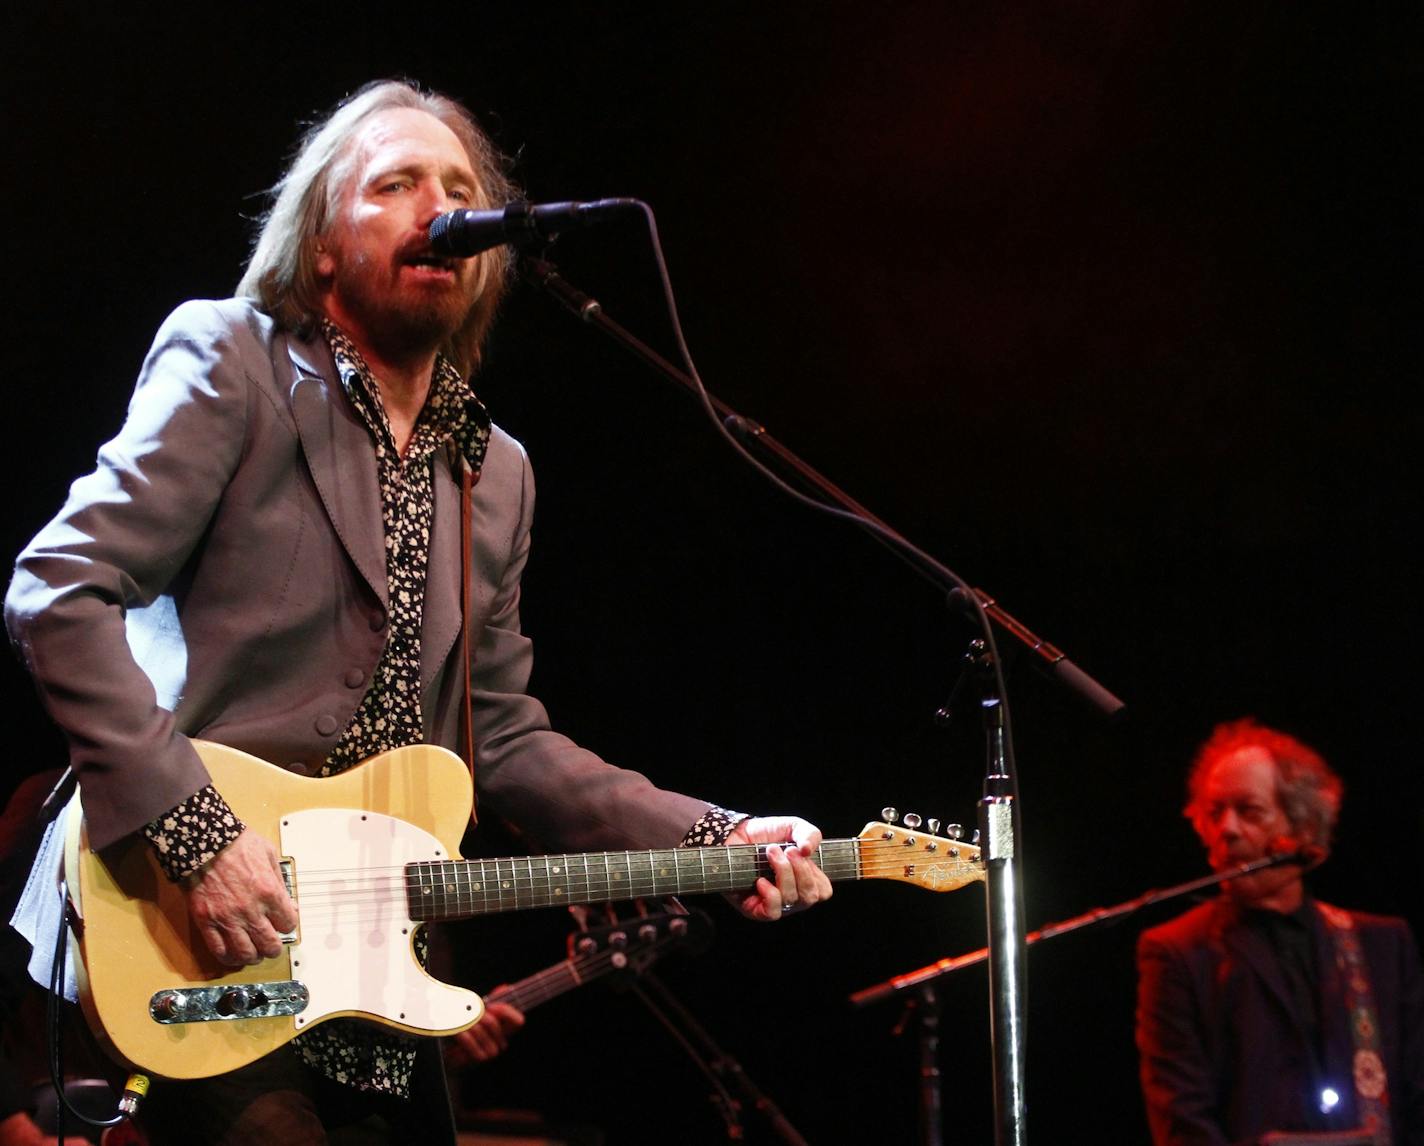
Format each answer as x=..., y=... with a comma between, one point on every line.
x=190, y=835
x=712, y=828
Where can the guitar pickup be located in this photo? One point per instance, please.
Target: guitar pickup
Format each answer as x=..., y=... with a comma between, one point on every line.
x=233, y=1001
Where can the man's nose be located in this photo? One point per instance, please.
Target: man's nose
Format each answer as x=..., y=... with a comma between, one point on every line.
x=435, y=201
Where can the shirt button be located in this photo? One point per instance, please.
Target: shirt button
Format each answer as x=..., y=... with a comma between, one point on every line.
x=355, y=678
x=326, y=725
x=378, y=621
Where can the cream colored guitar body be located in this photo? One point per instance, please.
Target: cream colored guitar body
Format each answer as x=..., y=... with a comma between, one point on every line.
x=352, y=950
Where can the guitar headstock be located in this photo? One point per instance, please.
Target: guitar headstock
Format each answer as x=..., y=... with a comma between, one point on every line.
x=634, y=943
x=894, y=851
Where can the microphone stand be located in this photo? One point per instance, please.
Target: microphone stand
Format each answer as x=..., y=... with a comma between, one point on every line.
x=999, y=811
x=922, y=980
x=722, y=1070
x=918, y=979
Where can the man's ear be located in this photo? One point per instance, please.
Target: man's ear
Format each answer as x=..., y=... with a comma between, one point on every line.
x=323, y=260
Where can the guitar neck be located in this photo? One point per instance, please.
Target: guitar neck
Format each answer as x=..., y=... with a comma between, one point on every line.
x=547, y=984
x=460, y=889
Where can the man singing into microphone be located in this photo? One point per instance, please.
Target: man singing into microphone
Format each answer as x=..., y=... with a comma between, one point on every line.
x=1268, y=1010
x=269, y=555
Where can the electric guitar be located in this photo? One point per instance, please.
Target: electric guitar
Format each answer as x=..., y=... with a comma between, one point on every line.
x=369, y=856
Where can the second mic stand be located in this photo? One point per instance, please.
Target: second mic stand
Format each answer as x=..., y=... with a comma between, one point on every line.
x=733, y=1089
x=913, y=980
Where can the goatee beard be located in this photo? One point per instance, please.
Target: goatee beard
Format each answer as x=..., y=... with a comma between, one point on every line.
x=398, y=324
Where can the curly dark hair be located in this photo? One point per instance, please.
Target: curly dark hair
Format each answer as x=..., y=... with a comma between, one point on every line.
x=1308, y=791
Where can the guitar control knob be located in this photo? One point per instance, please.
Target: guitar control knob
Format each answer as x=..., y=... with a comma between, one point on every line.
x=889, y=815
x=912, y=820
x=647, y=933
x=238, y=1001
x=933, y=825
x=170, y=1006
x=954, y=831
x=618, y=940
x=587, y=945
x=678, y=927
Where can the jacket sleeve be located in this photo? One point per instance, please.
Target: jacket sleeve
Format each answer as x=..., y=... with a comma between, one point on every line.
x=1172, y=1052
x=1408, y=1091
x=563, y=795
x=120, y=540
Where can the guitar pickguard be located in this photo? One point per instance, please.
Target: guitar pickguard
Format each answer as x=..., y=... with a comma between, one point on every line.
x=354, y=948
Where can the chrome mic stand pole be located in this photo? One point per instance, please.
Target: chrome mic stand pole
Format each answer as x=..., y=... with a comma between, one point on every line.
x=1004, y=897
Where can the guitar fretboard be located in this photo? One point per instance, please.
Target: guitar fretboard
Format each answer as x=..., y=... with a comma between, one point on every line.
x=458, y=889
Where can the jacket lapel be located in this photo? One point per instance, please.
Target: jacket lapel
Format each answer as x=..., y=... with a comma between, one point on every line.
x=339, y=456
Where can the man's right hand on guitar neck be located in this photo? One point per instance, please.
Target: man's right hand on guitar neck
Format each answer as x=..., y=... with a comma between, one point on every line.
x=240, y=903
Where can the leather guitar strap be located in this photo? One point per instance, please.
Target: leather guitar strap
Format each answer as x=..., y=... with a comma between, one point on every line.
x=468, y=478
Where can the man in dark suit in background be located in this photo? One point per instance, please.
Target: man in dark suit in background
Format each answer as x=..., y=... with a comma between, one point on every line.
x=1265, y=1009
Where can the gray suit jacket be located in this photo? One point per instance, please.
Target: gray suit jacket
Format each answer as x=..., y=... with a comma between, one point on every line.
x=221, y=574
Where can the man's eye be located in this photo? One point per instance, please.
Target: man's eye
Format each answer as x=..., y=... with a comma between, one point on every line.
x=460, y=194
x=390, y=188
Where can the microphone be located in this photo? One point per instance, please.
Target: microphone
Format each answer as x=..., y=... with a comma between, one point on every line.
x=465, y=233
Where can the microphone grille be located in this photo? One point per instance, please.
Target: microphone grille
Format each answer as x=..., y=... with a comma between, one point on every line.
x=440, y=232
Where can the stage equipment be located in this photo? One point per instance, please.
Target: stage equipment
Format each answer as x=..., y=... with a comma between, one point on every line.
x=999, y=810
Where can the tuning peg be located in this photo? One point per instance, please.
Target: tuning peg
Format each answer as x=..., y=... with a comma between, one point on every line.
x=933, y=825
x=912, y=820
x=889, y=815
x=954, y=831
x=647, y=933
x=974, y=839
x=586, y=945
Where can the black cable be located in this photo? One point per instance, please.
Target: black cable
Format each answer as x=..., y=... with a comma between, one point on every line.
x=55, y=1014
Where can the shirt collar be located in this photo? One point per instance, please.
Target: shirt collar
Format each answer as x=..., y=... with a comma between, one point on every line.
x=451, y=410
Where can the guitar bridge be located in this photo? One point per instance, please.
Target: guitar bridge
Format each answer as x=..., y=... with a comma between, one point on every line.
x=223, y=1003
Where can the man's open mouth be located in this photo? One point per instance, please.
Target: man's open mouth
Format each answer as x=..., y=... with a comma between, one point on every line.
x=436, y=262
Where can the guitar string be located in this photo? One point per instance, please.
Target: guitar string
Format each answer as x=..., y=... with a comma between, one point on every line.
x=526, y=870
x=644, y=861
x=446, y=881
x=354, y=907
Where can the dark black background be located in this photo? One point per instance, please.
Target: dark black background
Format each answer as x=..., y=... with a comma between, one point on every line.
x=1111, y=306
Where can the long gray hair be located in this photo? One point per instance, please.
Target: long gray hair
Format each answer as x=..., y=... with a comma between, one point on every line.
x=281, y=275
